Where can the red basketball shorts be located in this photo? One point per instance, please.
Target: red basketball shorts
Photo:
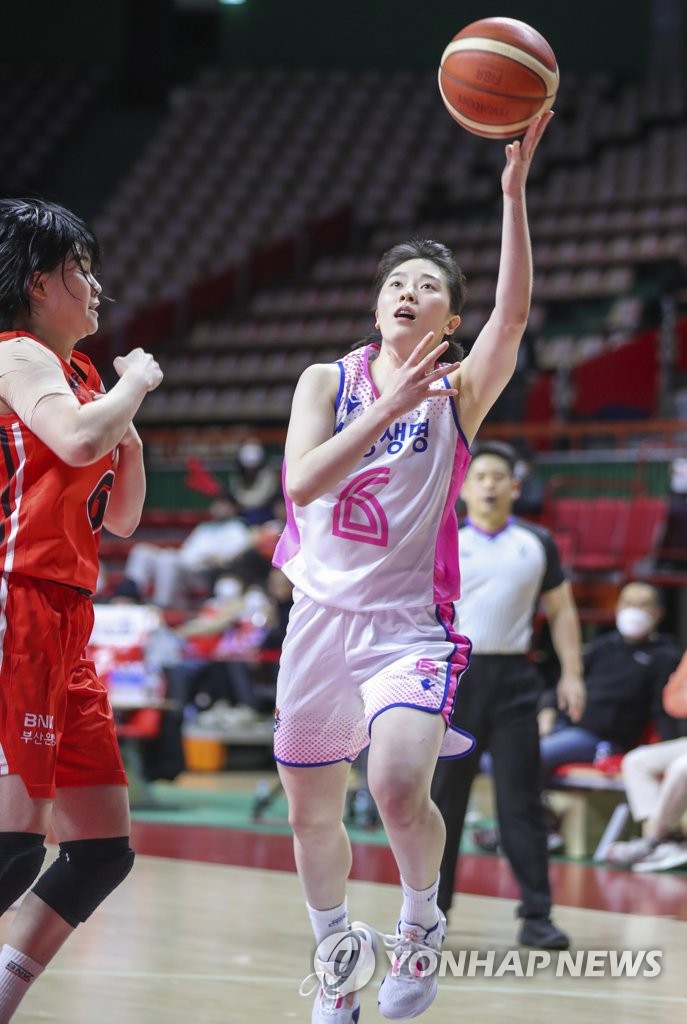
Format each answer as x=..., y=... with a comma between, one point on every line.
x=56, y=724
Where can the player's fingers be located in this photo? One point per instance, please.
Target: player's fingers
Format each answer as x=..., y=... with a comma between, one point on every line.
x=530, y=137
x=430, y=359
x=437, y=392
x=535, y=132
x=420, y=347
x=442, y=371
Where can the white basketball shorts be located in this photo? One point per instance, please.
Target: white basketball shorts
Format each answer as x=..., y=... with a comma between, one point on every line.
x=340, y=669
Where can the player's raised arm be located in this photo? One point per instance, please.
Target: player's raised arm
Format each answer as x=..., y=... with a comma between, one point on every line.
x=491, y=362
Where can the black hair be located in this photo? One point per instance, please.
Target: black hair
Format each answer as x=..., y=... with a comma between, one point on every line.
x=442, y=256
x=499, y=448
x=37, y=236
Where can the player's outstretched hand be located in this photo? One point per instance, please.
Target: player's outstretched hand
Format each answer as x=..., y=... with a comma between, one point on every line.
x=141, y=363
x=410, y=382
x=519, y=156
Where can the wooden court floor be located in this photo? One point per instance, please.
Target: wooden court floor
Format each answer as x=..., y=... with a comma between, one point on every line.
x=193, y=942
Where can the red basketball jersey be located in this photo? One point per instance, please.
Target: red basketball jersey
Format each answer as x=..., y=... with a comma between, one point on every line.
x=52, y=514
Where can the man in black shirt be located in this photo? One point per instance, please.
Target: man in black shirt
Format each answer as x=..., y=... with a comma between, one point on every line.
x=625, y=672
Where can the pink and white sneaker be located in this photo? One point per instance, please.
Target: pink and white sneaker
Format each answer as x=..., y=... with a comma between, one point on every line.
x=344, y=963
x=410, y=985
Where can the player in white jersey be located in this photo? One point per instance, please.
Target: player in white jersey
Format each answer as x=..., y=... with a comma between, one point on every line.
x=376, y=451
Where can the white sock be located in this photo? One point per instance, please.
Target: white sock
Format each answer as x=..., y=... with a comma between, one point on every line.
x=326, y=922
x=420, y=905
x=17, y=972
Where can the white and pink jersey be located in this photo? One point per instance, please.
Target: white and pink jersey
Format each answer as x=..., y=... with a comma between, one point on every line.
x=387, y=536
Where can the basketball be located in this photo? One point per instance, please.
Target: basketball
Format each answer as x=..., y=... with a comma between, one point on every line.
x=496, y=75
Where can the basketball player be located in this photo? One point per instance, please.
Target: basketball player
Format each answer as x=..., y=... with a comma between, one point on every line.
x=70, y=465
x=377, y=448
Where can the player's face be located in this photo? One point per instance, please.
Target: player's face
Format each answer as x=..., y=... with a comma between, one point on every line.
x=414, y=300
x=69, y=300
x=490, y=488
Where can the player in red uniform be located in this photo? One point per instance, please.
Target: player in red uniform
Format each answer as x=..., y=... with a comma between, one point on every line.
x=71, y=462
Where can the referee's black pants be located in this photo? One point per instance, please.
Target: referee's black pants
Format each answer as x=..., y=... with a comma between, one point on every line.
x=497, y=703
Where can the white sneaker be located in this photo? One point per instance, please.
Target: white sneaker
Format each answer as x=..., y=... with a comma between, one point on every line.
x=664, y=857
x=344, y=963
x=335, y=1009
x=625, y=854
x=410, y=985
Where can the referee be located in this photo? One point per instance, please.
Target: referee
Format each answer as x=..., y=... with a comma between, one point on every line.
x=507, y=567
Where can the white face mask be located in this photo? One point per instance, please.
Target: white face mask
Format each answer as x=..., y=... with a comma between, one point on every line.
x=227, y=588
x=678, y=477
x=251, y=455
x=634, y=623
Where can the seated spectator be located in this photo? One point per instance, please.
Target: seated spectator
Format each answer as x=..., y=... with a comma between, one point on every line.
x=131, y=644
x=254, y=484
x=220, y=669
x=217, y=614
x=655, y=779
x=254, y=566
x=167, y=574
x=625, y=673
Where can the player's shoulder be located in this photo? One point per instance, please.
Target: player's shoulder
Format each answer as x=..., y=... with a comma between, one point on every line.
x=21, y=348
x=320, y=375
x=10, y=340
x=317, y=389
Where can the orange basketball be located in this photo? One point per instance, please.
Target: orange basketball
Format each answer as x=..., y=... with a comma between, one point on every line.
x=496, y=75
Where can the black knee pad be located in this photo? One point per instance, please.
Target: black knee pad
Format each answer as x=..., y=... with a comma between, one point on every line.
x=83, y=875
x=21, y=858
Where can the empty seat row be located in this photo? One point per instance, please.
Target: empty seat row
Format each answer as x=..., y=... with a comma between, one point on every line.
x=606, y=535
x=215, y=404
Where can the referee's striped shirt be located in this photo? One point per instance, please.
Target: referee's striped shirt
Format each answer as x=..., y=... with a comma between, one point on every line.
x=501, y=578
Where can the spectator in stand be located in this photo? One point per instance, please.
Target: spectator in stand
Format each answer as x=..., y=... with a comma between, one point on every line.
x=255, y=484
x=254, y=566
x=655, y=779
x=625, y=672
x=221, y=668
x=130, y=647
x=167, y=574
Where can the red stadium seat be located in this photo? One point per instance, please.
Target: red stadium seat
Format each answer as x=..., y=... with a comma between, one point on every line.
x=609, y=534
x=645, y=523
x=596, y=524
